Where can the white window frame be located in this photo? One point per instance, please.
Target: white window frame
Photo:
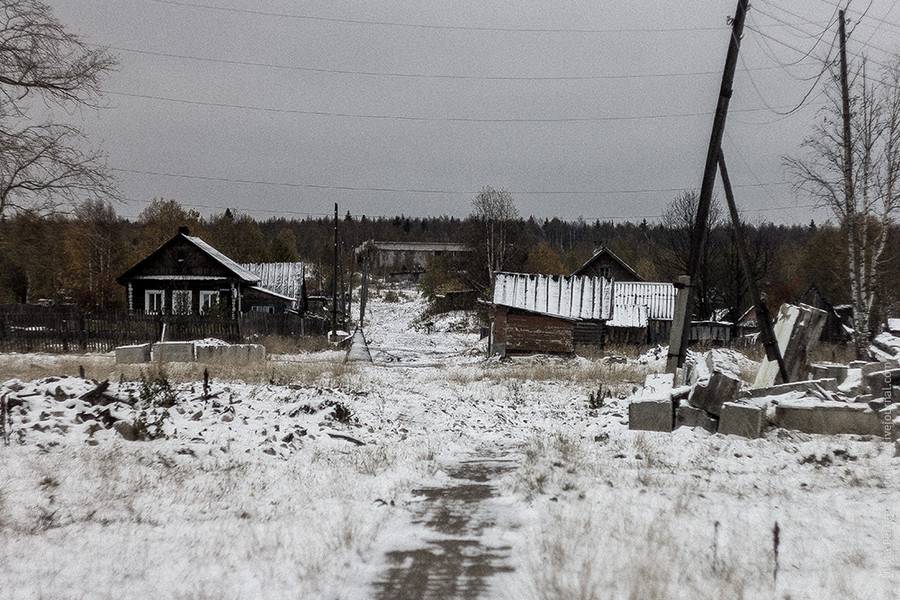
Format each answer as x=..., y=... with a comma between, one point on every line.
x=208, y=299
x=148, y=305
x=263, y=308
x=178, y=302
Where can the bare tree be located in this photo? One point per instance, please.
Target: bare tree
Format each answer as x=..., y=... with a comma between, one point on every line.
x=860, y=187
x=44, y=164
x=493, y=215
x=678, y=223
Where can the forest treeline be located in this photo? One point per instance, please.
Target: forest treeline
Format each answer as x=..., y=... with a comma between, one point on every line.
x=75, y=258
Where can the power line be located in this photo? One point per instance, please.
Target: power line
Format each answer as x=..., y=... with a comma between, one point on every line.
x=304, y=69
x=430, y=191
x=409, y=118
x=478, y=28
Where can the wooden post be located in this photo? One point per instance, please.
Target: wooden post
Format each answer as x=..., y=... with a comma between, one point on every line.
x=698, y=235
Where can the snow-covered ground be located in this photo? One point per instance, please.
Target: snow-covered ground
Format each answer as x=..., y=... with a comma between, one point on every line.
x=295, y=479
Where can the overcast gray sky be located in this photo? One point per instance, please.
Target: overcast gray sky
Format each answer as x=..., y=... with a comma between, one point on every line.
x=590, y=109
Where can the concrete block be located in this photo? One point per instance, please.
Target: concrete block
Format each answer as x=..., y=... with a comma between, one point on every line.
x=658, y=385
x=742, y=419
x=874, y=367
x=688, y=416
x=828, y=371
x=233, y=354
x=210, y=355
x=797, y=332
x=246, y=354
x=719, y=388
x=130, y=355
x=882, y=383
x=173, y=352
x=651, y=414
x=828, y=418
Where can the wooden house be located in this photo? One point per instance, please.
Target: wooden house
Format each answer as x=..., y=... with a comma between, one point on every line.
x=605, y=263
x=187, y=276
x=554, y=313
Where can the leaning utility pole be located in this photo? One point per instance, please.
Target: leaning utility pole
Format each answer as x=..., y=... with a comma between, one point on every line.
x=680, y=333
x=766, y=331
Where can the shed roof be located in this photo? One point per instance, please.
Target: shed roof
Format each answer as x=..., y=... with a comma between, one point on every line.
x=284, y=278
x=565, y=296
x=637, y=302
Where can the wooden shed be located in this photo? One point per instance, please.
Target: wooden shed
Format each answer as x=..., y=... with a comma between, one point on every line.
x=547, y=313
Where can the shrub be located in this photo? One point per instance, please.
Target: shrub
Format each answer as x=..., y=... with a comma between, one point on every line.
x=155, y=397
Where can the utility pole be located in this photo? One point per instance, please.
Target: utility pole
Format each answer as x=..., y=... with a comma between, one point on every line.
x=767, y=332
x=680, y=333
x=334, y=278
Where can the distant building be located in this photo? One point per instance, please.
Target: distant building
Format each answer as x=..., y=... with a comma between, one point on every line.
x=405, y=260
x=187, y=276
x=605, y=263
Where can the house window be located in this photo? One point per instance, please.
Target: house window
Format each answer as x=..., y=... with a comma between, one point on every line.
x=604, y=272
x=154, y=302
x=181, y=302
x=208, y=301
x=263, y=308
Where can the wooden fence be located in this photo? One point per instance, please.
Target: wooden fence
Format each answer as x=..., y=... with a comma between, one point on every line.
x=25, y=328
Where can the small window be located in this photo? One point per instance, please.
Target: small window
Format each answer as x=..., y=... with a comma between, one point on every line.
x=154, y=302
x=181, y=302
x=208, y=301
x=263, y=308
x=604, y=272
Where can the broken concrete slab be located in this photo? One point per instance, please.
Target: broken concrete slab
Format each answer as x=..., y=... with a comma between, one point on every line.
x=745, y=420
x=131, y=355
x=808, y=385
x=797, y=332
x=711, y=393
x=689, y=416
x=829, y=418
x=651, y=414
x=828, y=371
x=882, y=383
x=173, y=352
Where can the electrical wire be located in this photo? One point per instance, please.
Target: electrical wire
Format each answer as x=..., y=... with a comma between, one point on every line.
x=417, y=119
x=476, y=28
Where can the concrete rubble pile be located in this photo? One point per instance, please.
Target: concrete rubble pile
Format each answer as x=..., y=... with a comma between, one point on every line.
x=862, y=398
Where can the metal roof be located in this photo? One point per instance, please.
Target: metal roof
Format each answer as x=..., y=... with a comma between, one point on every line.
x=565, y=296
x=283, y=278
x=229, y=264
x=637, y=302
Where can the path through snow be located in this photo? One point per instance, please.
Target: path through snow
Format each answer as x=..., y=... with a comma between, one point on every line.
x=457, y=561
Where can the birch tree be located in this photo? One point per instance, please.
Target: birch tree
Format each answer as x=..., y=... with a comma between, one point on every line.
x=494, y=214
x=857, y=179
x=44, y=163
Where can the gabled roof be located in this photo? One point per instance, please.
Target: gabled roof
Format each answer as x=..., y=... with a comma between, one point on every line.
x=604, y=251
x=238, y=271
